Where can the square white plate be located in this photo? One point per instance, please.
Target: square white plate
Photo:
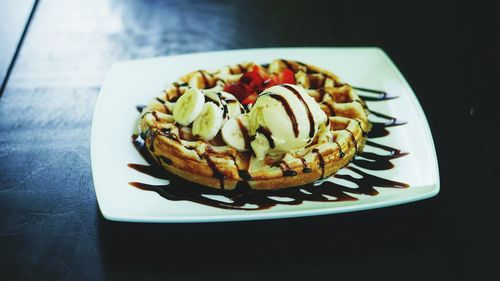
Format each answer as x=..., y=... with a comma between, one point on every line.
x=136, y=82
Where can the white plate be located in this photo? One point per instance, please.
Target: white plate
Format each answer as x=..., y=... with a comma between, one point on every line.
x=136, y=82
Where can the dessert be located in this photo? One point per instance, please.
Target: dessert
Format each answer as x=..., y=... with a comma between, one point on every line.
x=271, y=126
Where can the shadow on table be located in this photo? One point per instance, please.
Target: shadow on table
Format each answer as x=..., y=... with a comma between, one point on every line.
x=273, y=245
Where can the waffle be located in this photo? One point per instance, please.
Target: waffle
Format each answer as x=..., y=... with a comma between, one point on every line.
x=214, y=164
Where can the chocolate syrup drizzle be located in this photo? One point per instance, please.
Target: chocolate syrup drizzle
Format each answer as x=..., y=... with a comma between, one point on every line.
x=309, y=114
x=205, y=79
x=285, y=169
x=305, y=168
x=242, y=68
x=353, y=138
x=244, y=198
x=341, y=153
x=267, y=133
x=321, y=161
x=289, y=112
x=244, y=132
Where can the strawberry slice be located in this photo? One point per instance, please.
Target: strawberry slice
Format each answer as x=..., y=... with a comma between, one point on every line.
x=249, y=83
x=239, y=90
x=261, y=71
x=287, y=77
x=252, y=79
x=250, y=99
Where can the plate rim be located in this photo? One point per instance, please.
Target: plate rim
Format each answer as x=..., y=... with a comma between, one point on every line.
x=109, y=215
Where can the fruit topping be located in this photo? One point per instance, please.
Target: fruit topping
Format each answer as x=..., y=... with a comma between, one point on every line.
x=253, y=82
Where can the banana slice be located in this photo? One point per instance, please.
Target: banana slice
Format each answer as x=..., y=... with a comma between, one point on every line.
x=216, y=89
x=234, y=107
x=230, y=106
x=209, y=122
x=260, y=146
x=188, y=106
x=214, y=97
x=227, y=96
x=235, y=133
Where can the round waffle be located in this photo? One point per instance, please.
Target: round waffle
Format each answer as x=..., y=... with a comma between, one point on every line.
x=215, y=164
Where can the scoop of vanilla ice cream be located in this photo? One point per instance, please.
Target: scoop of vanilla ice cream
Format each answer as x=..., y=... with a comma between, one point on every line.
x=284, y=118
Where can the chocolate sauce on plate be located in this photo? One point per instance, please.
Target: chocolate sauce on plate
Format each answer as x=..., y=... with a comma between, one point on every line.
x=375, y=161
x=379, y=128
x=379, y=95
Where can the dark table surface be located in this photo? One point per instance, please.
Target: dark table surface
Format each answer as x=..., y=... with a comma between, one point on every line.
x=51, y=227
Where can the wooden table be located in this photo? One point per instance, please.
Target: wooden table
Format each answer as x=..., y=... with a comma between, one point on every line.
x=50, y=224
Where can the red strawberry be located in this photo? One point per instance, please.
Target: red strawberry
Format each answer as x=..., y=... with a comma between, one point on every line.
x=239, y=90
x=250, y=99
x=287, y=77
x=253, y=82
